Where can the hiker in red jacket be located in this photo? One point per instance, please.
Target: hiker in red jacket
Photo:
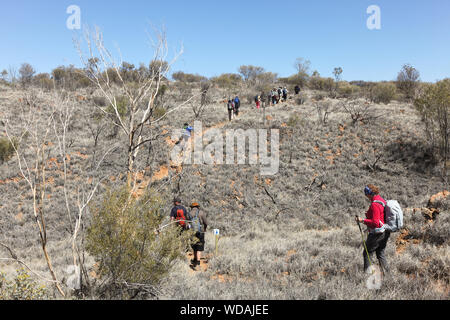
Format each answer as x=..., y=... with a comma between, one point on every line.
x=378, y=236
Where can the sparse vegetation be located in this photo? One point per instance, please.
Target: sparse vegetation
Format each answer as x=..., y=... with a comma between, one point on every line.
x=7, y=149
x=434, y=108
x=275, y=231
x=383, y=93
x=22, y=287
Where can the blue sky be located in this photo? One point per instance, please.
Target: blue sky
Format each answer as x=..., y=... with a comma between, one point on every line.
x=220, y=36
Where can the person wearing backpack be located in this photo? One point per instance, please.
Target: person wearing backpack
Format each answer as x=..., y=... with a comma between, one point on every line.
x=258, y=101
x=237, y=102
x=237, y=105
x=180, y=214
x=285, y=94
x=297, y=89
x=199, y=224
x=378, y=234
x=230, y=109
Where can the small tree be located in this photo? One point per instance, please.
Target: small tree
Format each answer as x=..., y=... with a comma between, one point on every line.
x=4, y=75
x=337, y=72
x=133, y=251
x=12, y=72
x=407, y=80
x=26, y=72
x=434, y=107
x=144, y=91
x=303, y=71
x=383, y=93
x=250, y=73
x=205, y=99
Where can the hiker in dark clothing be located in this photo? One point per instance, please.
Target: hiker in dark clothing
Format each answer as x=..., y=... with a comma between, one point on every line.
x=237, y=102
x=378, y=236
x=230, y=109
x=297, y=89
x=180, y=214
x=285, y=94
x=274, y=96
x=280, y=94
x=199, y=223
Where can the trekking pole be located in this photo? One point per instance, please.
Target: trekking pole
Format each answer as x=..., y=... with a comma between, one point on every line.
x=364, y=242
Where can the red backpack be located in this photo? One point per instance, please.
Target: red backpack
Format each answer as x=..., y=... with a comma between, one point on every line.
x=181, y=218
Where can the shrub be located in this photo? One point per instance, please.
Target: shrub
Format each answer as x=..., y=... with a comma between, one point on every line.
x=383, y=93
x=434, y=107
x=122, y=107
x=299, y=79
x=407, y=80
x=318, y=83
x=7, y=149
x=122, y=239
x=159, y=112
x=23, y=287
x=227, y=80
x=187, y=77
x=347, y=90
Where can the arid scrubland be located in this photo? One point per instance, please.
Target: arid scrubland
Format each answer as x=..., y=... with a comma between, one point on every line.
x=287, y=236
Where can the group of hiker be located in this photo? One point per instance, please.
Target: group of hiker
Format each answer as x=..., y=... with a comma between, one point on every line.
x=194, y=219
x=379, y=221
x=382, y=217
x=275, y=96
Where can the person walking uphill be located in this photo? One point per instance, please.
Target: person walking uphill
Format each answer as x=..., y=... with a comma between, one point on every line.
x=180, y=214
x=199, y=224
x=378, y=235
x=230, y=107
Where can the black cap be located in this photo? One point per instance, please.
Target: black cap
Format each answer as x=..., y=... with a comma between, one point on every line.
x=177, y=200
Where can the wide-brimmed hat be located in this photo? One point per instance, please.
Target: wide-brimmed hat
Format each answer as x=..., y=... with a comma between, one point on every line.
x=194, y=205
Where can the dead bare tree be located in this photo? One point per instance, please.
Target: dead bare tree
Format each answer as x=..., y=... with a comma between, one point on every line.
x=204, y=100
x=359, y=111
x=100, y=66
x=37, y=129
x=324, y=109
x=32, y=163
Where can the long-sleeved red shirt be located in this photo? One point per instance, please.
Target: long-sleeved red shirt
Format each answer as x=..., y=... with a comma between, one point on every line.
x=375, y=214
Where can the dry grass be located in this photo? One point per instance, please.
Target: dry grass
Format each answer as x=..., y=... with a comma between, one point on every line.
x=301, y=243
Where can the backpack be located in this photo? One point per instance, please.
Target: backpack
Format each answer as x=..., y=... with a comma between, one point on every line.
x=236, y=100
x=195, y=223
x=393, y=216
x=181, y=218
x=256, y=98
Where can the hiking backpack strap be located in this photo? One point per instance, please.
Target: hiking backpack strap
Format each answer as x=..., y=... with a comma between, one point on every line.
x=384, y=212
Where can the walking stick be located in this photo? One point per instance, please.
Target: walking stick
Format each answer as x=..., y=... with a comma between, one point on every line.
x=364, y=242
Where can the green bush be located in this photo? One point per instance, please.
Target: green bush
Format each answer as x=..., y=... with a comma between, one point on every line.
x=187, y=77
x=383, y=93
x=319, y=83
x=7, y=149
x=122, y=239
x=23, y=287
x=159, y=112
x=434, y=107
x=347, y=90
x=227, y=80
